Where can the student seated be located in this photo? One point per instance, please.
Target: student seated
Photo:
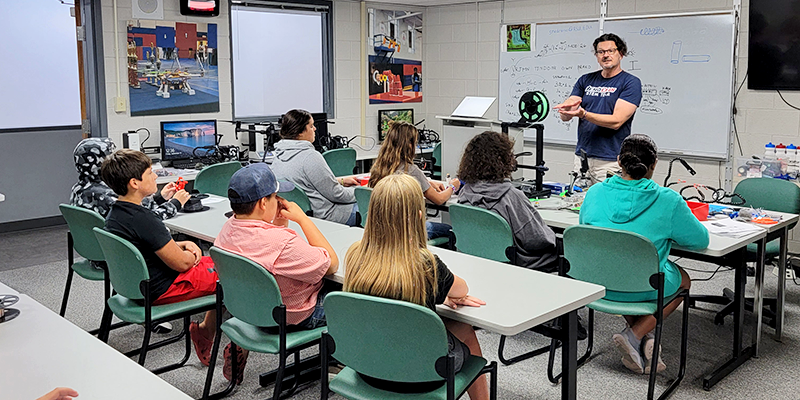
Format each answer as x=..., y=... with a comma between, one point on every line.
x=486, y=168
x=633, y=202
x=92, y=193
x=384, y=264
x=178, y=270
x=259, y=231
x=396, y=156
x=297, y=161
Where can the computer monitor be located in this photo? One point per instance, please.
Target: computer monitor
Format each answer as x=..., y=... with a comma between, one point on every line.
x=386, y=116
x=185, y=140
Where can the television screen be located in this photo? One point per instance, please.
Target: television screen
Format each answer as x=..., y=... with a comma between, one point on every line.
x=387, y=116
x=209, y=8
x=773, y=59
x=183, y=140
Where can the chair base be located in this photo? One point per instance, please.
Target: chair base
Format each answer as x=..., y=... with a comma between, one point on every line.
x=309, y=372
x=727, y=300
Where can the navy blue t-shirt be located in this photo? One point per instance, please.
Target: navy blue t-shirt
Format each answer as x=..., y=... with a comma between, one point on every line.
x=599, y=95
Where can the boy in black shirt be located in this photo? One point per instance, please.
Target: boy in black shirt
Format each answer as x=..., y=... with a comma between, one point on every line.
x=178, y=270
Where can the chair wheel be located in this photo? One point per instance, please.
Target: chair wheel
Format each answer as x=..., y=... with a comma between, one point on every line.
x=719, y=320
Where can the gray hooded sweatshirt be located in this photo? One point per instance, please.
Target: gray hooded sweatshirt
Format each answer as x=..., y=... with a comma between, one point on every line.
x=535, y=241
x=298, y=162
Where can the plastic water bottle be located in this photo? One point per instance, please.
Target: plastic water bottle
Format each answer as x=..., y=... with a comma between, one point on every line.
x=793, y=160
x=769, y=151
x=780, y=151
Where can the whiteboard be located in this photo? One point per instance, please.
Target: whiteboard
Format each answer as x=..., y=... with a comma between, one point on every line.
x=560, y=54
x=685, y=64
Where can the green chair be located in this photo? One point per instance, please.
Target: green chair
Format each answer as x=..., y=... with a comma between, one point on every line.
x=341, y=161
x=215, y=178
x=634, y=270
x=363, y=194
x=132, y=303
x=772, y=195
x=251, y=295
x=298, y=196
x=482, y=233
x=81, y=239
x=411, y=346
x=436, y=174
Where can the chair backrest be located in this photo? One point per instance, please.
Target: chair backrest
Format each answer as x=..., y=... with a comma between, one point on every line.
x=250, y=291
x=386, y=339
x=341, y=161
x=126, y=266
x=80, y=222
x=363, y=194
x=437, y=155
x=298, y=196
x=770, y=194
x=480, y=232
x=619, y=260
x=215, y=178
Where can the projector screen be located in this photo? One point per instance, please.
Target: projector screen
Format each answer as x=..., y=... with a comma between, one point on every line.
x=278, y=61
x=40, y=66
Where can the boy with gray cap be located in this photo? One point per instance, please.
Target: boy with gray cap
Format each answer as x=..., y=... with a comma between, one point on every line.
x=259, y=231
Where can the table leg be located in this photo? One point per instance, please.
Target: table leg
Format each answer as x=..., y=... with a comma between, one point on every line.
x=739, y=355
x=758, y=296
x=782, y=262
x=569, y=356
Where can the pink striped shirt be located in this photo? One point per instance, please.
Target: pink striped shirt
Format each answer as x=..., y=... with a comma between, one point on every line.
x=297, y=266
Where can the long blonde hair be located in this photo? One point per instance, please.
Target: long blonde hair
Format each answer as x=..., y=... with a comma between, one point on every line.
x=392, y=259
x=398, y=149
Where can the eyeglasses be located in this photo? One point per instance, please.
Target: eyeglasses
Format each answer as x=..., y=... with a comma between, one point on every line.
x=603, y=52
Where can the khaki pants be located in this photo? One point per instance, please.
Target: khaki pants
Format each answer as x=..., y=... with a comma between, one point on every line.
x=599, y=170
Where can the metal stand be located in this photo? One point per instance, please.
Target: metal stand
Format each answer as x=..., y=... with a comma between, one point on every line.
x=539, y=192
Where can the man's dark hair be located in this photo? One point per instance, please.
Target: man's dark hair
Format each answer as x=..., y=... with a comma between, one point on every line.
x=294, y=123
x=488, y=157
x=121, y=166
x=637, y=154
x=622, y=48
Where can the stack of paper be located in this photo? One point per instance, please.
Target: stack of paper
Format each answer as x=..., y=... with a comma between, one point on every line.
x=731, y=228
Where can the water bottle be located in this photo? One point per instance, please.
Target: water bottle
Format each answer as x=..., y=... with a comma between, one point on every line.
x=769, y=151
x=780, y=151
x=793, y=160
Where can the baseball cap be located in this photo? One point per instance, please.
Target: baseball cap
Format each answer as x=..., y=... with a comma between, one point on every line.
x=254, y=182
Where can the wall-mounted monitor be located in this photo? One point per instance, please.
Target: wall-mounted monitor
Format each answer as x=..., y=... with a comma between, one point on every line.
x=773, y=56
x=207, y=8
x=387, y=116
x=186, y=140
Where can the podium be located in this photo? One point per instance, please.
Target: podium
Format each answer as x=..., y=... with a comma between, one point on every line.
x=458, y=131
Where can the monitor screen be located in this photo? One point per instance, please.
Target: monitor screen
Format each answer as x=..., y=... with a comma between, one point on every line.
x=182, y=140
x=774, y=51
x=386, y=116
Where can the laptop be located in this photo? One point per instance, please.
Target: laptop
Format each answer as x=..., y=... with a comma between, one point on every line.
x=473, y=107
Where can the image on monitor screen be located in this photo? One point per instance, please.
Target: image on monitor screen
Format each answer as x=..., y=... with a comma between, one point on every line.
x=182, y=140
x=387, y=116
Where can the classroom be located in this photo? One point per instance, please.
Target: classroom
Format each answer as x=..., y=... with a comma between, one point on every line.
x=715, y=120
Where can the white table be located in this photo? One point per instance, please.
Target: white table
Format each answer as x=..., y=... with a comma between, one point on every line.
x=504, y=287
x=41, y=351
x=4, y=289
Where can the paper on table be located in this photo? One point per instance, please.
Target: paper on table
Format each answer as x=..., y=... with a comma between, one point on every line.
x=213, y=200
x=730, y=228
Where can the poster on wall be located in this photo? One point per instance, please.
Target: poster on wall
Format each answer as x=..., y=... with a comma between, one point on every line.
x=519, y=37
x=172, y=67
x=395, y=56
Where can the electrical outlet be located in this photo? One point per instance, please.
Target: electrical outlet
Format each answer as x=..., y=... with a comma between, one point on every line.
x=121, y=105
x=789, y=273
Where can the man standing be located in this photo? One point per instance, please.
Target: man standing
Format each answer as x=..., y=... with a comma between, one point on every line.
x=605, y=102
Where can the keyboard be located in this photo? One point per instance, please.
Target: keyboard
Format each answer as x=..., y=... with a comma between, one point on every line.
x=185, y=164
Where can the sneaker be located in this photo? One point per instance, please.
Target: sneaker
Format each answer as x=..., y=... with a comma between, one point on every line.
x=630, y=354
x=241, y=362
x=162, y=328
x=202, y=344
x=648, y=343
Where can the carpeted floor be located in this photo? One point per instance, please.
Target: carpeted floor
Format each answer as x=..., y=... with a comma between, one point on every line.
x=771, y=376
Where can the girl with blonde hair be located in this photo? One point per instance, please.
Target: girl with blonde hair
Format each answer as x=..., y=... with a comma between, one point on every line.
x=396, y=156
x=392, y=261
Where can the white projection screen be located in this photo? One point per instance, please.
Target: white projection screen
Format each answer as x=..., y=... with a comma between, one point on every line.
x=277, y=58
x=40, y=86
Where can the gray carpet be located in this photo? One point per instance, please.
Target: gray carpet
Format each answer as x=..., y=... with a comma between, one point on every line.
x=50, y=245
x=771, y=376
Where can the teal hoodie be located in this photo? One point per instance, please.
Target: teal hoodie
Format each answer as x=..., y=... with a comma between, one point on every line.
x=657, y=213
